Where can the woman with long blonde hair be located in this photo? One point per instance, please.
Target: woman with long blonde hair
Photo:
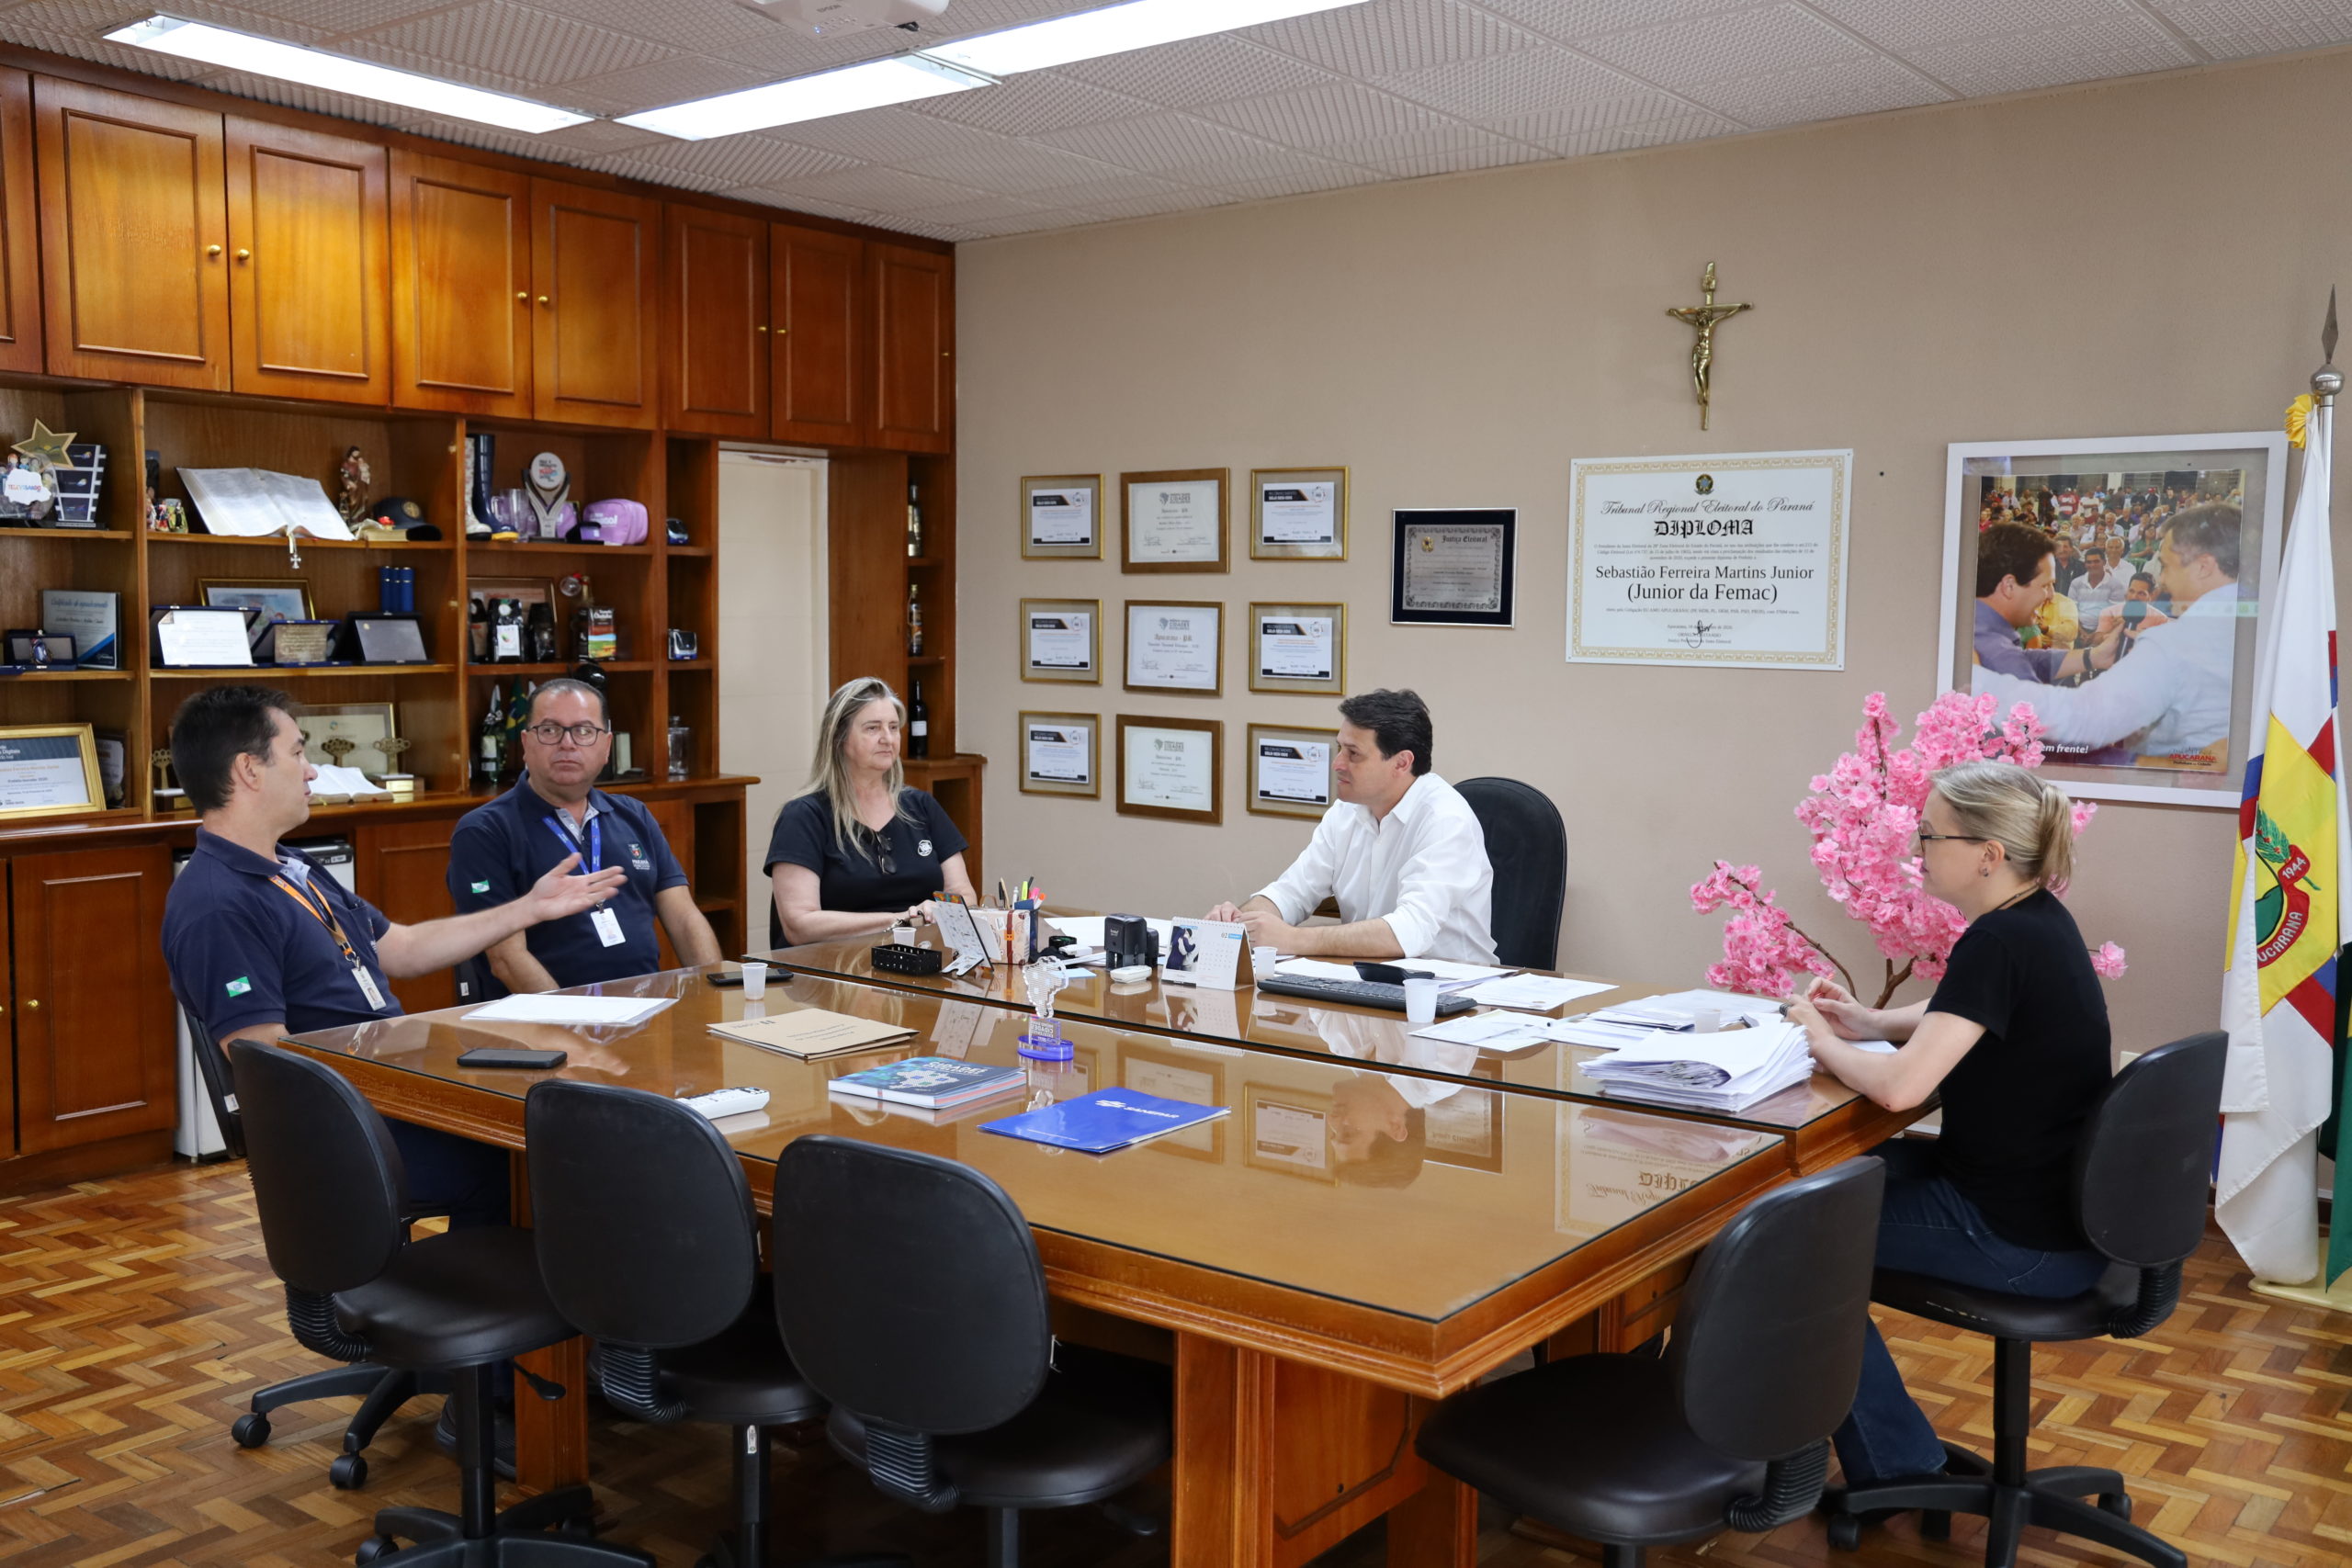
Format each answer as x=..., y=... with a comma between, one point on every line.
x=861, y=852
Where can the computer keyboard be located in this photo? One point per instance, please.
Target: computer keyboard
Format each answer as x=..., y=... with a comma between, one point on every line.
x=1360, y=993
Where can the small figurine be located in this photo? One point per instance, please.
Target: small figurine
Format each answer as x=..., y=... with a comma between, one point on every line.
x=351, y=492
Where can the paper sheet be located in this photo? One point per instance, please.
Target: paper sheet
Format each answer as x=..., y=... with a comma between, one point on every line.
x=252, y=502
x=1496, y=1032
x=1539, y=993
x=579, y=1011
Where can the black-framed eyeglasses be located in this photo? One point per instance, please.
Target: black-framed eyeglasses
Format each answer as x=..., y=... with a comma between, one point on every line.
x=549, y=732
x=1927, y=838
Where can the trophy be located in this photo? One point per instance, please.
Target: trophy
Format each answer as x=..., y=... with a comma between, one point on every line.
x=402, y=785
x=166, y=798
x=1042, y=1039
x=338, y=747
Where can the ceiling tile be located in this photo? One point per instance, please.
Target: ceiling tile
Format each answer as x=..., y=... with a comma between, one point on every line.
x=290, y=19
x=794, y=202
x=682, y=78
x=1446, y=149
x=1642, y=133
x=1570, y=20
x=881, y=136
x=1016, y=167
x=631, y=166
x=1032, y=103
x=600, y=136
x=1199, y=71
x=1152, y=207
x=1718, y=49
x=1904, y=25
x=885, y=190
x=1036, y=223
x=1301, y=171
x=1496, y=86
x=529, y=49
x=2120, y=46
x=2231, y=29
x=1322, y=177
x=1323, y=117
x=1159, y=142
x=1120, y=187
x=980, y=210
x=1583, y=117
x=709, y=27
x=1387, y=37
x=1864, y=85
x=743, y=159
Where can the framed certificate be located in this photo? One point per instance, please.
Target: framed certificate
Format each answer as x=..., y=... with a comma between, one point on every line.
x=1174, y=520
x=1452, y=565
x=1298, y=647
x=1285, y=1132
x=1298, y=513
x=48, y=770
x=1061, y=516
x=1173, y=1073
x=1062, y=639
x=1061, y=753
x=1175, y=646
x=1172, y=768
x=1290, y=770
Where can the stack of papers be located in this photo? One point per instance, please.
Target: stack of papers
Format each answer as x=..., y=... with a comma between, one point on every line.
x=1535, y=993
x=1727, y=1070
x=809, y=1032
x=579, y=1012
x=1450, y=976
x=1497, y=1033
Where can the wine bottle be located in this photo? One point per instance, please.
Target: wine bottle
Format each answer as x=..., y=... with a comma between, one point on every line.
x=506, y=633
x=489, y=748
x=518, y=713
x=914, y=622
x=477, y=630
x=914, y=521
x=918, y=724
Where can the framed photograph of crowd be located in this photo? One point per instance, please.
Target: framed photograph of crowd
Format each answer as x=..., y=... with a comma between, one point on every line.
x=2115, y=586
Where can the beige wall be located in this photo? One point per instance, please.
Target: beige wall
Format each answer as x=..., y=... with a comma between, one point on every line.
x=2147, y=258
x=772, y=623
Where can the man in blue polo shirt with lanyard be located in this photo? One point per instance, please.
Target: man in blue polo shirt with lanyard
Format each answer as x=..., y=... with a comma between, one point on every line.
x=263, y=942
x=557, y=814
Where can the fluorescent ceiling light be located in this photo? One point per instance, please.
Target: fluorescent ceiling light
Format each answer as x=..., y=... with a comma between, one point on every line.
x=340, y=74
x=1114, y=29
x=895, y=79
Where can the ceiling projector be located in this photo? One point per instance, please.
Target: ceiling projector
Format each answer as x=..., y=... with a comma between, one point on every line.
x=835, y=18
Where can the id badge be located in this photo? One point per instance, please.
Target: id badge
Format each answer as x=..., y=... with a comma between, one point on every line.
x=609, y=927
x=367, y=987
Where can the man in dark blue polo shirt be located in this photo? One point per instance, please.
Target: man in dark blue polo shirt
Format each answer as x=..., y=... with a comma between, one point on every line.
x=263, y=942
x=558, y=816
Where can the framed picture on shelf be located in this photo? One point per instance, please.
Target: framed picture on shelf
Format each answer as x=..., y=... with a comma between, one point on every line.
x=1062, y=639
x=37, y=649
x=278, y=598
x=524, y=590
x=388, y=639
x=1175, y=520
x=92, y=618
x=1290, y=770
x=1061, y=516
x=1299, y=648
x=1298, y=513
x=1172, y=768
x=202, y=636
x=1175, y=644
x=360, y=724
x=1061, y=753
x=48, y=770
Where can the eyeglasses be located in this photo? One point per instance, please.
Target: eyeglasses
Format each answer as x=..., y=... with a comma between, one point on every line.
x=549, y=732
x=1927, y=838
x=878, y=846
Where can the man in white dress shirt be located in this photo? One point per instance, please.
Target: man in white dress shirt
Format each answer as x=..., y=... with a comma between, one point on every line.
x=1400, y=850
x=2171, y=697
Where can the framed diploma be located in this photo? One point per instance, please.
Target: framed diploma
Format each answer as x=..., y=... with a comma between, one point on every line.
x=1172, y=768
x=1061, y=516
x=1290, y=770
x=1298, y=647
x=1062, y=639
x=1174, y=520
x=1286, y=1130
x=48, y=770
x=1175, y=646
x=1298, y=513
x=1061, y=753
x=1452, y=565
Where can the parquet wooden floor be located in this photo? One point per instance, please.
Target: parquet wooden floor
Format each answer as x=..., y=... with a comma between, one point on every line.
x=134, y=1315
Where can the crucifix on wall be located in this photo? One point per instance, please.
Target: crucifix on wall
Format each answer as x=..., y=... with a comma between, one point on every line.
x=1704, y=317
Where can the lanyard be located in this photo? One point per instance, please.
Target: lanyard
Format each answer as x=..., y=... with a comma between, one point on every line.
x=324, y=912
x=561, y=829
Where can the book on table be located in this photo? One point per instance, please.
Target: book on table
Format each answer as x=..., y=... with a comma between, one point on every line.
x=809, y=1032
x=1106, y=1120
x=929, y=1083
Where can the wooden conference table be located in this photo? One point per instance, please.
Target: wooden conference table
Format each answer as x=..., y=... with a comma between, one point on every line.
x=1311, y=1318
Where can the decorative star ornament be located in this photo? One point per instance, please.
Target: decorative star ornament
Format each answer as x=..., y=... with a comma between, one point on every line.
x=45, y=448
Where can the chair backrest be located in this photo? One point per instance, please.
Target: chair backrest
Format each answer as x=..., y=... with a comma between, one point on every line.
x=1528, y=845
x=476, y=981
x=775, y=925
x=213, y=1070
x=2146, y=1157
x=640, y=1214
x=908, y=1286
x=1767, y=1343
x=327, y=1178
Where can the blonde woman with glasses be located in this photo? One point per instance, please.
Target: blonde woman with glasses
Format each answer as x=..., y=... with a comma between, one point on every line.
x=860, y=852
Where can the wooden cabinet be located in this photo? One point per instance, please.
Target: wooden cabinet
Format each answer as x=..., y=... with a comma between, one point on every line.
x=402, y=869
x=19, y=229
x=309, y=289
x=676, y=821
x=913, y=380
x=134, y=233
x=718, y=304
x=462, y=281
x=818, y=290
x=596, y=306
x=93, y=1029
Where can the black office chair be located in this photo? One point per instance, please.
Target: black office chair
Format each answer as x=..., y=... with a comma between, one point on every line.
x=327, y=1181
x=910, y=1295
x=381, y=1391
x=1528, y=846
x=656, y=1255
x=2141, y=1175
x=1731, y=1428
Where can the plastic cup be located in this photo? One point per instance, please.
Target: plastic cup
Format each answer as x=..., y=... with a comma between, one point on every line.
x=903, y=935
x=1421, y=1000
x=755, y=980
x=1262, y=961
x=1705, y=1021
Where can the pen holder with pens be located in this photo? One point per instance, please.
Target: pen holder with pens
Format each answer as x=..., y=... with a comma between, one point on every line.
x=1043, y=1040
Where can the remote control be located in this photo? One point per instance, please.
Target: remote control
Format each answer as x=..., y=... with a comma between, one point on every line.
x=721, y=1102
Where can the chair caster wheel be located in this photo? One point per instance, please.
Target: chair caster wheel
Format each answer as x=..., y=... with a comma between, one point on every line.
x=375, y=1546
x=348, y=1473
x=1845, y=1531
x=251, y=1430
x=2117, y=1502
x=1935, y=1524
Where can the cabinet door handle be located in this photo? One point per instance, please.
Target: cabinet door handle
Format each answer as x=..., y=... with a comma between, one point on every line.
x=211, y=250
x=32, y=1004
x=764, y=327
x=523, y=298
x=244, y=256
x=543, y=299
